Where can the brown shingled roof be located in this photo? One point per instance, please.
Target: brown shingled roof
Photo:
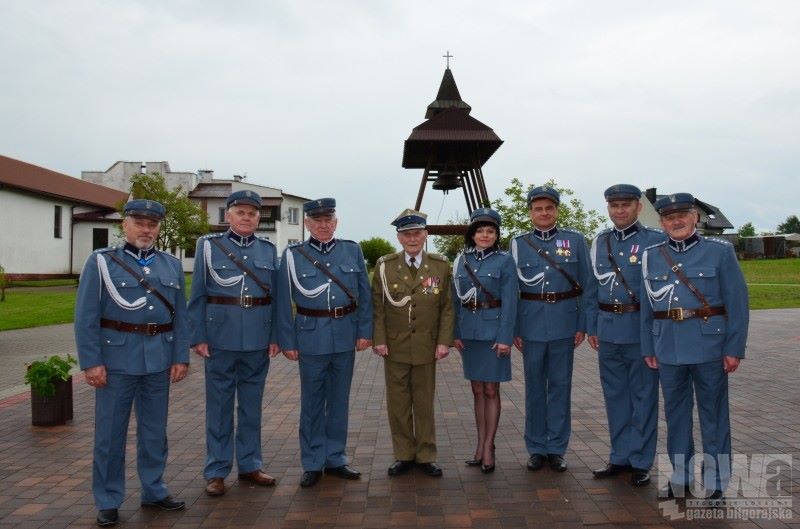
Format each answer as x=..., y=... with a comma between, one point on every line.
x=29, y=177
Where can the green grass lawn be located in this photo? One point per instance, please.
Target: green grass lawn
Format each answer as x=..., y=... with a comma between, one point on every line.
x=773, y=284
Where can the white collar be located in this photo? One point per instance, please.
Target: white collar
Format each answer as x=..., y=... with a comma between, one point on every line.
x=417, y=259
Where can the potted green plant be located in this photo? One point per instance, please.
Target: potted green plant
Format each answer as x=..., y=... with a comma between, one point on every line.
x=51, y=390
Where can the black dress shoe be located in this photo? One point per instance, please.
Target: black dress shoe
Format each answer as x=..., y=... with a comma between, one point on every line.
x=640, y=477
x=310, y=478
x=610, y=470
x=343, y=471
x=167, y=504
x=431, y=469
x=473, y=462
x=535, y=462
x=400, y=467
x=557, y=462
x=107, y=517
x=670, y=491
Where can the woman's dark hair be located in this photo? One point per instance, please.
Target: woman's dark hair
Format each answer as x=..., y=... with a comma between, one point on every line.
x=469, y=243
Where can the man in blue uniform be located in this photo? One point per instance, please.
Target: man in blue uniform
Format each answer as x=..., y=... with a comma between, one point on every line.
x=558, y=299
x=630, y=388
x=231, y=308
x=694, y=330
x=327, y=280
x=132, y=336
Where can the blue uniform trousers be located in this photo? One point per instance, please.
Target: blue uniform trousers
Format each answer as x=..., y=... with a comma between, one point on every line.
x=325, y=399
x=149, y=395
x=548, y=388
x=710, y=382
x=630, y=389
x=234, y=377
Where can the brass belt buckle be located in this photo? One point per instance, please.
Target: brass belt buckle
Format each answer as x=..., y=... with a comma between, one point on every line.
x=550, y=297
x=617, y=308
x=677, y=314
x=338, y=312
x=474, y=305
x=151, y=329
x=246, y=302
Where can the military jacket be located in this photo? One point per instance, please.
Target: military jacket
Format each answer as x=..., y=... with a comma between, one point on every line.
x=107, y=290
x=711, y=266
x=323, y=335
x=421, y=316
x=626, y=247
x=497, y=274
x=542, y=321
x=233, y=327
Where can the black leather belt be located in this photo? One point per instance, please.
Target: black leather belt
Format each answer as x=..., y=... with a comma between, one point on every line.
x=149, y=329
x=244, y=301
x=551, y=297
x=475, y=305
x=336, y=313
x=680, y=314
x=619, y=308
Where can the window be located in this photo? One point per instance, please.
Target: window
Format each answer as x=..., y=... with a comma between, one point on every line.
x=266, y=221
x=99, y=238
x=222, y=216
x=294, y=216
x=57, y=222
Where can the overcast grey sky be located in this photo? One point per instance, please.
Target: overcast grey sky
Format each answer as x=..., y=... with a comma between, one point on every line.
x=317, y=97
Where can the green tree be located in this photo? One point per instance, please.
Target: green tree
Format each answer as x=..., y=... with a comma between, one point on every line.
x=450, y=245
x=571, y=211
x=747, y=230
x=185, y=220
x=374, y=248
x=791, y=225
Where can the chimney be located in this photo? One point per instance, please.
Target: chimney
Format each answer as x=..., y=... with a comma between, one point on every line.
x=651, y=195
x=205, y=175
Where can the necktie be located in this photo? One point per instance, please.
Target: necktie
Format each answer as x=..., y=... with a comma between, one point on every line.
x=412, y=267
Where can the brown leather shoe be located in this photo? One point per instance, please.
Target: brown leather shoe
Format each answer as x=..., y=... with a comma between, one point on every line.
x=215, y=487
x=259, y=477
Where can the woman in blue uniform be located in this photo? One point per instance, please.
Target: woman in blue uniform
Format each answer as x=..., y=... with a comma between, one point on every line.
x=486, y=293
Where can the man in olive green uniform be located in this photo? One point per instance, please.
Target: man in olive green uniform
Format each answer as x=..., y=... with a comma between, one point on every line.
x=413, y=318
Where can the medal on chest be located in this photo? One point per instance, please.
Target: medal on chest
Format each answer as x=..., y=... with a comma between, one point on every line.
x=431, y=285
x=634, y=250
x=562, y=247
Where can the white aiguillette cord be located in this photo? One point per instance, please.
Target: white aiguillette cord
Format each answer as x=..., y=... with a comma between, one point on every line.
x=472, y=293
x=399, y=304
x=312, y=293
x=105, y=277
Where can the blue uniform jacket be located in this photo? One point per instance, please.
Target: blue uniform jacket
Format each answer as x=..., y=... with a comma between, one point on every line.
x=540, y=321
x=314, y=335
x=621, y=328
x=711, y=266
x=232, y=327
x=126, y=352
x=498, y=275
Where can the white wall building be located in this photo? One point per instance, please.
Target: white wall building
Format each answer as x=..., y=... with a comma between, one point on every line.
x=51, y=221
x=118, y=176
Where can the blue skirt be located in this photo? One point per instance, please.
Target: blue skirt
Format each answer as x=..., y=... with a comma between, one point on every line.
x=482, y=364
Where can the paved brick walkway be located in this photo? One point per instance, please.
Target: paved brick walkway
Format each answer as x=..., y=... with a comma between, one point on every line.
x=45, y=474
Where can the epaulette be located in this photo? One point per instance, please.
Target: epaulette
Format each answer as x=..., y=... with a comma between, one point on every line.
x=604, y=231
x=656, y=245
x=265, y=239
x=653, y=229
x=438, y=257
x=717, y=240
x=162, y=252
x=212, y=235
x=107, y=249
x=347, y=240
x=388, y=257
x=298, y=243
x=570, y=230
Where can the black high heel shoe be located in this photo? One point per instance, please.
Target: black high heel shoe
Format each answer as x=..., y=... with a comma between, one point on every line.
x=488, y=469
x=474, y=462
